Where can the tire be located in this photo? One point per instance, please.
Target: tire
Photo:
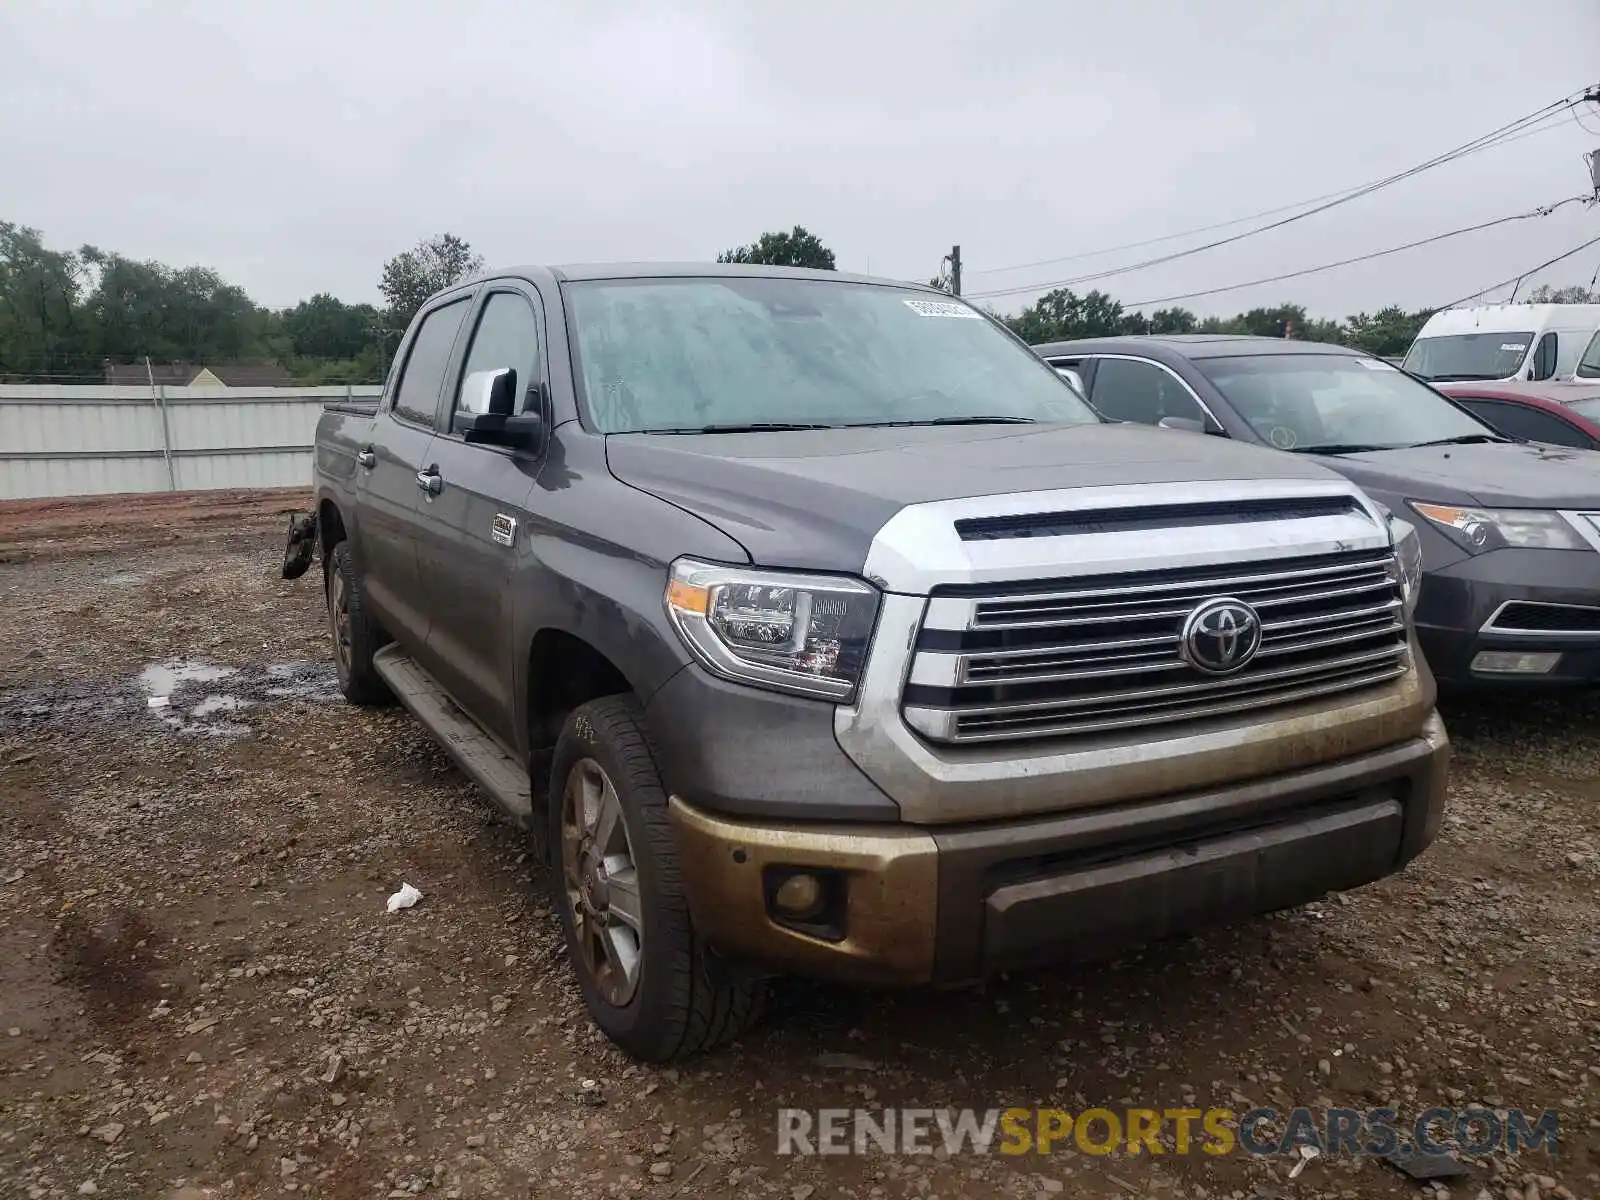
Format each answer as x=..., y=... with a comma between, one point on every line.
x=680, y=1000
x=359, y=637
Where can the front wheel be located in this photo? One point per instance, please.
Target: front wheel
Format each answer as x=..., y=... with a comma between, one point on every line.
x=646, y=978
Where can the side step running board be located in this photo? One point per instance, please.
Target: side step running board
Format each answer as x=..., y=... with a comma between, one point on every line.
x=475, y=752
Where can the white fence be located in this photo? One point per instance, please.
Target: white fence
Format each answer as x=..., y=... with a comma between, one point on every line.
x=75, y=441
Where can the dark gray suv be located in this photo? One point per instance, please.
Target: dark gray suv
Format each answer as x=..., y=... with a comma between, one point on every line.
x=1510, y=529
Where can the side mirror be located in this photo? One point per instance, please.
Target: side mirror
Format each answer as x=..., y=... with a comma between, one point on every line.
x=489, y=393
x=1182, y=424
x=487, y=416
x=1073, y=378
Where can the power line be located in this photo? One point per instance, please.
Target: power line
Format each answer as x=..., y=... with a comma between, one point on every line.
x=1552, y=121
x=1521, y=127
x=1476, y=144
x=1577, y=109
x=1594, y=241
x=1361, y=258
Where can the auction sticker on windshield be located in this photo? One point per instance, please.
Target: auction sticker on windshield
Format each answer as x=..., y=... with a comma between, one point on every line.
x=942, y=308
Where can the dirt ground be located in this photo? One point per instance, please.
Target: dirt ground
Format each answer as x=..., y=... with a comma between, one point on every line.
x=201, y=993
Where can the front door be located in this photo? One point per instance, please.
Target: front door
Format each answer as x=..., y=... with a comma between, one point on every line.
x=388, y=482
x=472, y=532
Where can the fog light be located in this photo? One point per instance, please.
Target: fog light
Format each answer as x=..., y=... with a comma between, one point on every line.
x=1512, y=662
x=800, y=895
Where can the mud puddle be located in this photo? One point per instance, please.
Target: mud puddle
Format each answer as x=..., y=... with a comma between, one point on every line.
x=186, y=696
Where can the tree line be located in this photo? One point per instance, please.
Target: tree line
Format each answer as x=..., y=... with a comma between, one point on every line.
x=65, y=314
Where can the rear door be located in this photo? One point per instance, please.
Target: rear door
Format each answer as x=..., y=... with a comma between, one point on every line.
x=387, y=480
x=473, y=530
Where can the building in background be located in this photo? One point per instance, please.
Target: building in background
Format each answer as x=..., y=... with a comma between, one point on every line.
x=242, y=375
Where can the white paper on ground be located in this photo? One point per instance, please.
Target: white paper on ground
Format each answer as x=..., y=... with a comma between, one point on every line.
x=404, y=898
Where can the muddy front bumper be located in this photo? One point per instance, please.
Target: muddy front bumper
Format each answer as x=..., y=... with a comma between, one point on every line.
x=897, y=904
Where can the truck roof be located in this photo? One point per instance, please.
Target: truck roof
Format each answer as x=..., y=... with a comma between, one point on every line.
x=575, y=272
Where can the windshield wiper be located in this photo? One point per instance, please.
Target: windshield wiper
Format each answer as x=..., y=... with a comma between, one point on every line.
x=976, y=420
x=1465, y=439
x=1340, y=448
x=1456, y=377
x=981, y=421
x=753, y=427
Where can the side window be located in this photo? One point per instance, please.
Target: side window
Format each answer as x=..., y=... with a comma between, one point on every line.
x=1569, y=343
x=1525, y=421
x=507, y=336
x=1589, y=364
x=1544, y=357
x=416, y=398
x=1131, y=390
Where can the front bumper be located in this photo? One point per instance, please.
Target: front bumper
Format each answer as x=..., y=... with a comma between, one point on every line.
x=1517, y=603
x=955, y=902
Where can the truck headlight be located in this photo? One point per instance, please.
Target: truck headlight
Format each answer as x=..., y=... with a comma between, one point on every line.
x=1478, y=530
x=1408, y=554
x=792, y=632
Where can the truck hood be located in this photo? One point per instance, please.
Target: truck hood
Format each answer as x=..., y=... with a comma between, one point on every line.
x=814, y=499
x=1494, y=474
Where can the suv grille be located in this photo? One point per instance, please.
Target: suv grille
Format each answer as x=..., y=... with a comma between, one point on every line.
x=1107, y=653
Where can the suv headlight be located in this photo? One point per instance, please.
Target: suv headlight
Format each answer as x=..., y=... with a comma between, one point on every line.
x=1408, y=554
x=1479, y=530
x=792, y=632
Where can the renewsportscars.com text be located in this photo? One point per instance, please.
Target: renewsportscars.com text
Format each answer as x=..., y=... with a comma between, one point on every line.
x=1213, y=1131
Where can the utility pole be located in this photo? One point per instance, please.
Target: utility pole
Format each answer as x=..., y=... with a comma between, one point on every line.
x=955, y=270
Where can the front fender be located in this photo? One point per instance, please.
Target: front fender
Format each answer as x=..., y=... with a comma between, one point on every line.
x=594, y=566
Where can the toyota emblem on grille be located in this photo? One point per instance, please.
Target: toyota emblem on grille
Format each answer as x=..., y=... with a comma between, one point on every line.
x=1221, y=636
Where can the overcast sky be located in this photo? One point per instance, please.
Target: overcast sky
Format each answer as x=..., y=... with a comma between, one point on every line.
x=294, y=145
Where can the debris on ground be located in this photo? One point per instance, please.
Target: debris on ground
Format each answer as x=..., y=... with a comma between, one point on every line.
x=404, y=898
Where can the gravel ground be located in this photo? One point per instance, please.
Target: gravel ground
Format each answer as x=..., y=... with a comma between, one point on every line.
x=201, y=993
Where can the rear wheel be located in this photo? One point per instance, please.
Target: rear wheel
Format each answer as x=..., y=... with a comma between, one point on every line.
x=648, y=981
x=356, y=636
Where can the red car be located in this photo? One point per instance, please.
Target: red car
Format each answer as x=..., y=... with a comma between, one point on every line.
x=1563, y=413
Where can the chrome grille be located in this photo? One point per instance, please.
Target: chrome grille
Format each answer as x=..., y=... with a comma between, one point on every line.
x=1104, y=653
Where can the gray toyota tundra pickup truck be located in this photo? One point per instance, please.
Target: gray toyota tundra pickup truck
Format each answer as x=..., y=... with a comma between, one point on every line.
x=812, y=624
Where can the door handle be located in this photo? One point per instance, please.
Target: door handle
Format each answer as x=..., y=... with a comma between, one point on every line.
x=367, y=459
x=430, y=481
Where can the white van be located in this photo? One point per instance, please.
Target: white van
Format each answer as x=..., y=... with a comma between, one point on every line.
x=1503, y=341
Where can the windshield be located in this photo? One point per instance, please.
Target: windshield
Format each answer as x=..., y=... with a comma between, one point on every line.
x=1589, y=364
x=1468, y=355
x=685, y=354
x=1588, y=408
x=1309, y=402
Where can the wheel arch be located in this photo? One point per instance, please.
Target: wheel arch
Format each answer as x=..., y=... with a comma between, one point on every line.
x=563, y=668
x=330, y=527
